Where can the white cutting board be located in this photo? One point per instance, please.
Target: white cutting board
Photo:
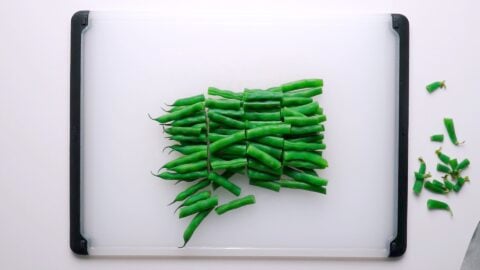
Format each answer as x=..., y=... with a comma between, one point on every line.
x=134, y=63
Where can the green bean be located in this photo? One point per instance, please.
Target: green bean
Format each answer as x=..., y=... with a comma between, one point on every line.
x=223, y=182
x=199, y=206
x=279, y=129
x=224, y=104
x=191, y=167
x=263, y=157
x=434, y=188
x=183, y=131
x=272, y=141
x=422, y=176
x=189, y=100
x=443, y=168
x=439, y=184
x=187, y=159
x=227, y=174
x=309, y=171
x=444, y=158
x=312, y=157
x=189, y=139
x=235, y=150
x=222, y=143
x=451, y=131
x=237, y=114
x=306, y=83
x=226, y=121
x=195, y=198
x=313, y=139
x=221, y=209
x=261, y=95
x=303, y=186
x=175, y=108
x=213, y=137
x=460, y=182
x=311, y=92
x=255, y=124
x=261, y=176
x=229, y=164
x=463, y=165
x=224, y=93
x=295, y=101
x=263, y=116
x=417, y=187
x=423, y=166
x=285, y=112
x=191, y=190
x=301, y=164
x=203, y=126
x=189, y=110
x=453, y=164
x=304, y=121
x=182, y=176
x=262, y=168
x=224, y=131
x=436, y=138
x=274, y=186
x=305, y=177
x=435, y=85
x=307, y=130
x=189, y=121
x=274, y=152
x=188, y=149
x=438, y=205
x=449, y=185
x=308, y=109
x=187, y=234
x=261, y=105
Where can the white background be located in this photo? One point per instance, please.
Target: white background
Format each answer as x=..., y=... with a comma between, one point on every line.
x=34, y=119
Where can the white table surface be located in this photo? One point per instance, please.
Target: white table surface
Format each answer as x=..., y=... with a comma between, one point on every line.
x=34, y=121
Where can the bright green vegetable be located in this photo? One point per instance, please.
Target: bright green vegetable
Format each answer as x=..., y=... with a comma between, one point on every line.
x=451, y=131
x=191, y=120
x=199, y=206
x=307, y=130
x=195, y=198
x=191, y=190
x=226, y=121
x=189, y=110
x=261, y=176
x=300, y=185
x=225, y=93
x=292, y=101
x=223, y=182
x=229, y=164
x=260, y=95
x=263, y=157
x=434, y=188
x=304, y=121
x=186, y=159
x=305, y=177
x=443, y=168
x=182, y=176
x=463, y=165
x=438, y=205
x=276, y=129
x=224, y=104
x=273, y=186
x=192, y=227
x=444, y=158
x=261, y=105
x=222, y=209
x=263, y=116
x=300, y=84
x=231, y=139
x=437, y=138
x=191, y=167
x=435, y=85
x=312, y=157
x=189, y=100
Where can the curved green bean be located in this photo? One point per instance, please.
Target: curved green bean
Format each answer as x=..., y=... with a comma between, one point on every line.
x=303, y=186
x=272, y=141
x=189, y=110
x=189, y=121
x=223, y=182
x=308, y=109
x=225, y=93
x=186, y=159
x=183, y=131
x=234, y=204
x=195, y=198
x=310, y=92
x=189, y=100
x=273, y=186
x=300, y=84
x=263, y=157
x=312, y=157
x=188, y=149
x=191, y=167
x=438, y=205
x=222, y=143
x=305, y=177
x=226, y=121
x=237, y=114
x=274, y=152
x=191, y=190
x=199, y=206
x=187, y=234
x=182, y=176
x=448, y=122
x=262, y=168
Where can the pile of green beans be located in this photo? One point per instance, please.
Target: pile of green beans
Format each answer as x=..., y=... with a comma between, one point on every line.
x=273, y=136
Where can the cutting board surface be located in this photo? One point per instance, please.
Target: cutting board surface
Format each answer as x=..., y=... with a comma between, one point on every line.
x=134, y=63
